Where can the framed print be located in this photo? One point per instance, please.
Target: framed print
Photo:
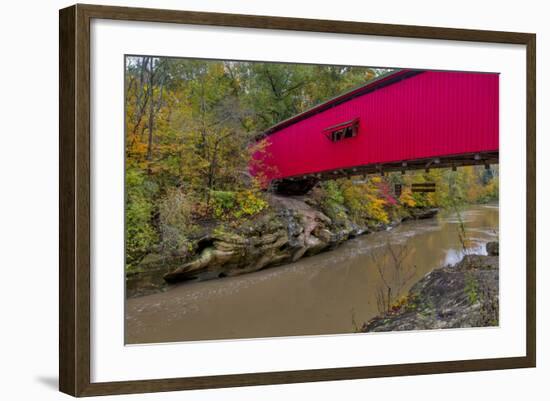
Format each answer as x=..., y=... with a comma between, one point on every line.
x=251, y=200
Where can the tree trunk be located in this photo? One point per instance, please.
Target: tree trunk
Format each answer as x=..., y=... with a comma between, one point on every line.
x=151, y=121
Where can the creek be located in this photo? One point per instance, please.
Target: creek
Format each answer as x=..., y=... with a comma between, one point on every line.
x=333, y=292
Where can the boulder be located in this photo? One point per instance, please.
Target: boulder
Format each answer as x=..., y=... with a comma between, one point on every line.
x=492, y=248
x=424, y=213
x=285, y=234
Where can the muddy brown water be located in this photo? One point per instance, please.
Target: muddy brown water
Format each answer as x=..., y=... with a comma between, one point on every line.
x=331, y=293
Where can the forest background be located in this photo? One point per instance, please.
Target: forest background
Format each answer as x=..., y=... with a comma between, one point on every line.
x=190, y=133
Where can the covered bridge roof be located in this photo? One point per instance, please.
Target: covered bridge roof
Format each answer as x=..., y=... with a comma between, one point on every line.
x=380, y=82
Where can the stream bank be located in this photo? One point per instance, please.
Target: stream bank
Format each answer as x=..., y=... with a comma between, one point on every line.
x=291, y=228
x=458, y=296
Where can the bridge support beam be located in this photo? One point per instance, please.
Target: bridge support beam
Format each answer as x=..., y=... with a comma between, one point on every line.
x=300, y=185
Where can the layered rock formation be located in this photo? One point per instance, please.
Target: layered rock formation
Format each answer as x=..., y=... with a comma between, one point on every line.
x=291, y=228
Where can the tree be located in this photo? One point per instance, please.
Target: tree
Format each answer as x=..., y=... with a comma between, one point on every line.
x=190, y=129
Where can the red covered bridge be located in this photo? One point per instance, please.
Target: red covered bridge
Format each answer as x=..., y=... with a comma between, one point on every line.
x=408, y=119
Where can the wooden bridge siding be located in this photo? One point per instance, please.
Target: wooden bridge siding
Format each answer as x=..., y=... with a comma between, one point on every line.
x=433, y=114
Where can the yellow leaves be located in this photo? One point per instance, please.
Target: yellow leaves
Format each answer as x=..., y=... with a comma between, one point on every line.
x=406, y=198
x=138, y=148
x=228, y=205
x=364, y=201
x=217, y=69
x=399, y=303
x=491, y=190
x=375, y=209
x=376, y=180
x=250, y=203
x=431, y=199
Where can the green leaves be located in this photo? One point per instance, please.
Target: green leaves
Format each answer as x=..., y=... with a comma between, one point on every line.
x=140, y=234
x=229, y=205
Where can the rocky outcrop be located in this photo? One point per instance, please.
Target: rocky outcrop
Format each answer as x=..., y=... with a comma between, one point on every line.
x=463, y=295
x=419, y=213
x=291, y=230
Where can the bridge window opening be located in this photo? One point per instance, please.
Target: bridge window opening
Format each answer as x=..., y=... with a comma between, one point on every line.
x=342, y=131
x=349, y=132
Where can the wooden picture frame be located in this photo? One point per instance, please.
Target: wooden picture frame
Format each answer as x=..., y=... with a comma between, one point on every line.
x=74, y=203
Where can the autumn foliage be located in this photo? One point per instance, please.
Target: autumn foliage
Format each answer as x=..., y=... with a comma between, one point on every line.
x=189, y=135
x=190, y=128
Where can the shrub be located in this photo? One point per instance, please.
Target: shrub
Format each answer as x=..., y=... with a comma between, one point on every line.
x=332, y=201
x=375, y=209
x=384, y=192
x=140, y=234
x=250, y=203
x=407, y=198
x=333, y=192
x=223, y=202
x=176, y=219
x=228, y=205
x=364, y=201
